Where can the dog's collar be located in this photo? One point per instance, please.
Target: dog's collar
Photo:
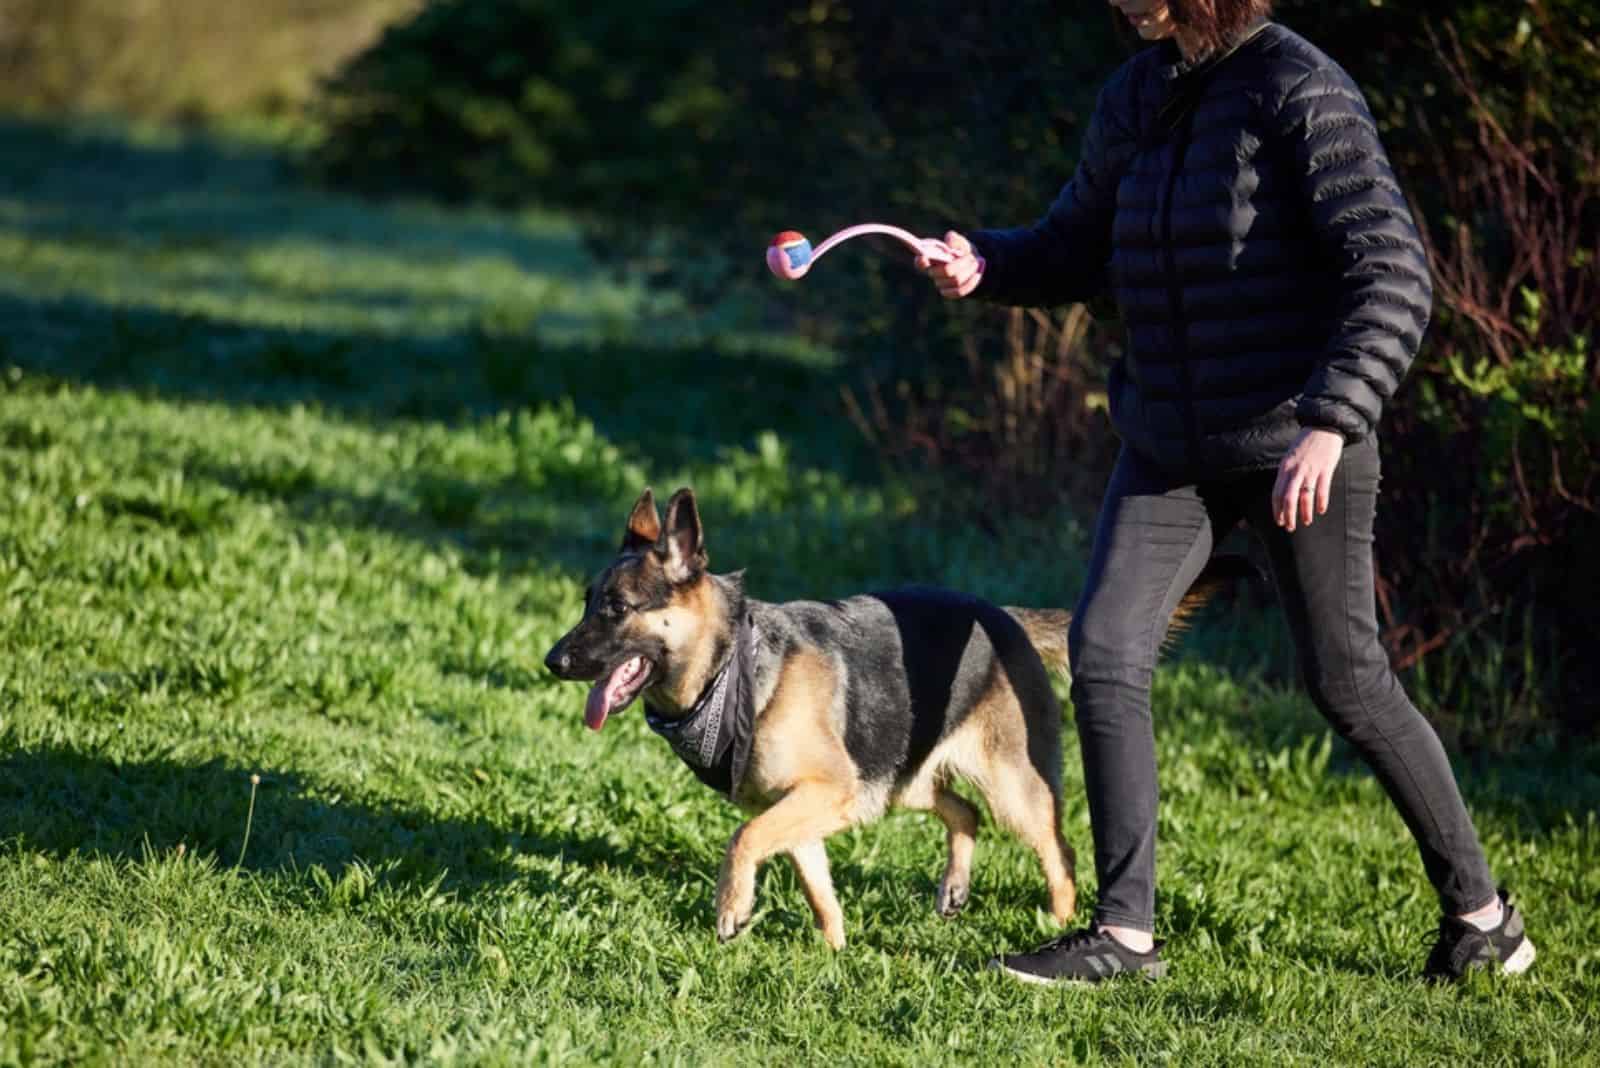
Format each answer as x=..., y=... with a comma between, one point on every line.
x=714, y=738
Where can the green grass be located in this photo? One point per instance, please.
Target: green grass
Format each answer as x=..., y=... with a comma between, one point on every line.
x=304, y=488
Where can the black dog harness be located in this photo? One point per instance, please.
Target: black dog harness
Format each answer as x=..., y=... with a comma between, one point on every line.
x=714, y=738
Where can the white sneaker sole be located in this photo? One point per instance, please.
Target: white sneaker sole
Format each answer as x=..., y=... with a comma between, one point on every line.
x=1159, y=971
x=1521, y=958
x=1038, y=980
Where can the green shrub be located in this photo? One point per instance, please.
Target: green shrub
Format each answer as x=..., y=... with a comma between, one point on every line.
x=531, y=100
x=1494, y=447
x=724, y=123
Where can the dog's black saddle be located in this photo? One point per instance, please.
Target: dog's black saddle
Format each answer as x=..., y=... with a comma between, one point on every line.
x=714, y=738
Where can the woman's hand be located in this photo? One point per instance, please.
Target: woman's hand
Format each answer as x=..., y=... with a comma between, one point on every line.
x=958, y=277
x=1304, y=477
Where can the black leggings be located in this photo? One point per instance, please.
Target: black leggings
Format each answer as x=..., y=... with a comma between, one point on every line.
x=1154, y=535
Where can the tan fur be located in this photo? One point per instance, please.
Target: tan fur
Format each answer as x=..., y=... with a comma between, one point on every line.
x=961, y=827
x=684, y=625
x=804, y=787
x=1047, y=630
x=798, y=737
x=811, y=864
x=1023, y=788
x=990, y=750
x=1047, y=627
x=644, y=525
x=804, y=783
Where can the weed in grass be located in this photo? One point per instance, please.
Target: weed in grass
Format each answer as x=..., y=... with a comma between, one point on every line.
x=249, y=818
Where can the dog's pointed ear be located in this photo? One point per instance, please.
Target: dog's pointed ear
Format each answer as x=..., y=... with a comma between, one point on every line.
x=644, y=525
x=682, y=542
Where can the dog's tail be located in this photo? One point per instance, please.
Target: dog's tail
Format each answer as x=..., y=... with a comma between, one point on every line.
x=1047, y=630
x=1047, y=627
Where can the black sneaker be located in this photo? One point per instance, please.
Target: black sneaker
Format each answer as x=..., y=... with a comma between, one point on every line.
x=1086, y=956
x=1461, y=947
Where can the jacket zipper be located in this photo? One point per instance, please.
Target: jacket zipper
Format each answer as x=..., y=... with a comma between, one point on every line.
x=1175, y=328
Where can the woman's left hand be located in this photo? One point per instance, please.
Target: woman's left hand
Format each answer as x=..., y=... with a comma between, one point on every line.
x=1305, y=476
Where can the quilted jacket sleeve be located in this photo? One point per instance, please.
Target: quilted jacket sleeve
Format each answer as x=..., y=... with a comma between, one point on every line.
x=1365, y=233
x=1061, y=258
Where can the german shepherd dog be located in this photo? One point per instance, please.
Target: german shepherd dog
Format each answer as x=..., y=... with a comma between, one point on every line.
x=847, y=708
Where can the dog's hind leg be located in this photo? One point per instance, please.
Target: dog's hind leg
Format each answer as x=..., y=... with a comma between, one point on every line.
x=961, y=821
x=811, y=864
x=1022, y=801
x=1017, y=767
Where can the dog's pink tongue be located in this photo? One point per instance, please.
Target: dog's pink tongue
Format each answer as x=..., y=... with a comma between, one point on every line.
x=596, y=707
x=604, y=695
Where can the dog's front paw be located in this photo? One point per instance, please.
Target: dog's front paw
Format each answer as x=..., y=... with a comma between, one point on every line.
x=731, y=923
x=952, y=898
x=736, y=893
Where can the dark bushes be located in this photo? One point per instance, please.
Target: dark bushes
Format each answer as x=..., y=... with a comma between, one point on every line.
x=591, y=106
x=726, y=122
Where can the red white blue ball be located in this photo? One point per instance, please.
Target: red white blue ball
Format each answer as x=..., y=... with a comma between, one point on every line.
x=789, y=255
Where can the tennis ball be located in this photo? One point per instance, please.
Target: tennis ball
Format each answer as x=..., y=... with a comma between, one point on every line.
x=789, y=255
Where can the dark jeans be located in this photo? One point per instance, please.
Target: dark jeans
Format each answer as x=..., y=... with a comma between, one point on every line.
x=1153, y=537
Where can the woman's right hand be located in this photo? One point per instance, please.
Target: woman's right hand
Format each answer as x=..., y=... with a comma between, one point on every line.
x=958, y=277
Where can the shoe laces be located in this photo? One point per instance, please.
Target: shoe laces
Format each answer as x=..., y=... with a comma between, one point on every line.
x=1082, y=937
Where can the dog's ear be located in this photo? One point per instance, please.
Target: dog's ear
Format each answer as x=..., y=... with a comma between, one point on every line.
x=644, y=525
x=682, y=543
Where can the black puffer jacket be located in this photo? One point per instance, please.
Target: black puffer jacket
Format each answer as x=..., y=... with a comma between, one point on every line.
x=1263, y=257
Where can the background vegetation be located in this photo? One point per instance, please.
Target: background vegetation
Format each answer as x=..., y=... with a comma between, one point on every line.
x=815, y=114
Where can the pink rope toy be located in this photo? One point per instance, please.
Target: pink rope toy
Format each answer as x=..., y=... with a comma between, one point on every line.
x=790, y=255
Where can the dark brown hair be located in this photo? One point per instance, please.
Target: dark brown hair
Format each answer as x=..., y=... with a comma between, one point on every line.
x=1216, y=22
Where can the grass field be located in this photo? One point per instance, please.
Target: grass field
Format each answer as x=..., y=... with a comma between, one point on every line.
x=297, y=487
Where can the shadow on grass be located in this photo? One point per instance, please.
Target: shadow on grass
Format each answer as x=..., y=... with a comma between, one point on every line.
x=62, y=802
x=402, y=311
x=99, y=184
x=665, y=403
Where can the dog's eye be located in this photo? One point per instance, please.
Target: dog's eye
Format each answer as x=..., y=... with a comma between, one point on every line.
x=618, y=607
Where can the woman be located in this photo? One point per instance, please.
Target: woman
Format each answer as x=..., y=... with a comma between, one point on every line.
x=1234, y=197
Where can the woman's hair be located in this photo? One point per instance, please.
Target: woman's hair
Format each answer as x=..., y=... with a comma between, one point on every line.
x=1215, y=22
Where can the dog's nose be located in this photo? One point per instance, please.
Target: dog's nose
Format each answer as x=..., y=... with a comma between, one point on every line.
x=558, y=661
